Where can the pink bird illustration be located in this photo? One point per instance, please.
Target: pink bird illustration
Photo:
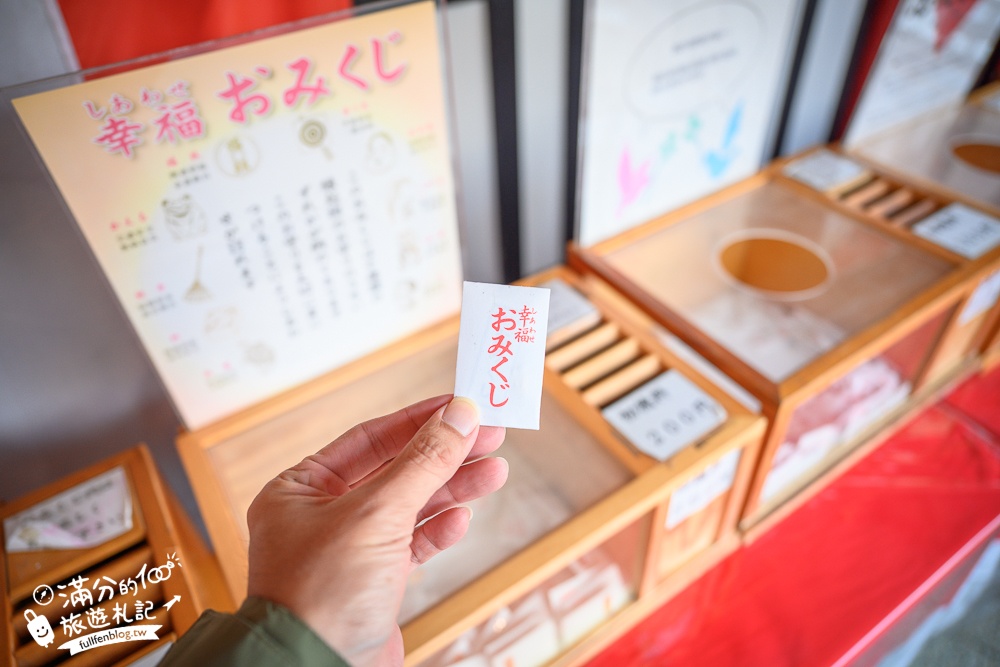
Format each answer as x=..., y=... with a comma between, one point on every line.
x=631, y=182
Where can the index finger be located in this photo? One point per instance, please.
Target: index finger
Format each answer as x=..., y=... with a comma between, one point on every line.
x=368, y=446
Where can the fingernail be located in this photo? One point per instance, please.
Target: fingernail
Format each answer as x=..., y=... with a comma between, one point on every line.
x=469, y=510
x=462, y=415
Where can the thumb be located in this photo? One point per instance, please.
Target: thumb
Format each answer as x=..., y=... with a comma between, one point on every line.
x=432, y=456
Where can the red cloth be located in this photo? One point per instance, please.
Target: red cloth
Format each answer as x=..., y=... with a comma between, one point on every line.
x=815, y=584
x=104, y=32
x=979, y=399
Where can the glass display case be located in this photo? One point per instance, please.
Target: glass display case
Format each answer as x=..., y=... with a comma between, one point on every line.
x=932, y=221
x=955, y=150
x=844, y=411
x=775, y=279
x=829, y=321
x=932, y=148
x=614, y=367
x=541, y=625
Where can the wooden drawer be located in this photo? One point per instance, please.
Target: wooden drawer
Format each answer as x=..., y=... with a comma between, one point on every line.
x=831, y=322
x=160, y=532
x=897, y=206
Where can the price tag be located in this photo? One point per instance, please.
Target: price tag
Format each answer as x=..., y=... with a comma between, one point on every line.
x=664, y=415
x=963, y=230
x=81, y=517
x=569, y=311
x=501, y=352
x=703, y=489
x=982, y=299
x=826, y=171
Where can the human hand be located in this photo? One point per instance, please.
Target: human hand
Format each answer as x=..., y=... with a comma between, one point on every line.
x=335, y=537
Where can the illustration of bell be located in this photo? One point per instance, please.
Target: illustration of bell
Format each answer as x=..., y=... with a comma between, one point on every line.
x=39, y=628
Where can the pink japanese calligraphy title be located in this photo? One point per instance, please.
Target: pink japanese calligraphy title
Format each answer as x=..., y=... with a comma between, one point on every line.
x=246, y=94
x=501, y=352
x=522, y=323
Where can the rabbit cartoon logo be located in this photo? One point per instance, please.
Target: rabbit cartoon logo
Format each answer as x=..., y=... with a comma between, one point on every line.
x=39, y=628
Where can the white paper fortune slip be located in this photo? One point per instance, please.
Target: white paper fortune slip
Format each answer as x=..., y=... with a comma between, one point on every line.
x=501, y=352
x=84, y=516
x=826, y=171
x=961, y=229
x=664, y=415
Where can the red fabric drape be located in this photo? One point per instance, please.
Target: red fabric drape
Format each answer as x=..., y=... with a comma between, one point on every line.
x=814, y=585
x=109, y=31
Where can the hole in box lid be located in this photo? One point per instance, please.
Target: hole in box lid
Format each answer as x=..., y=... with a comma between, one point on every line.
x=980, y=153
x=774, y=264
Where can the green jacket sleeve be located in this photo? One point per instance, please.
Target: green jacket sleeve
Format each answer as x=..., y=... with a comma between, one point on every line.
x=260, y=633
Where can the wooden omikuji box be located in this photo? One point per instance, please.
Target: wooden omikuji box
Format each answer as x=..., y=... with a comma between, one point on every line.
x=159, y=529
x=831, y=322
x=953, y=151
x=952, y=154
x=918, y=216
x=577, y=546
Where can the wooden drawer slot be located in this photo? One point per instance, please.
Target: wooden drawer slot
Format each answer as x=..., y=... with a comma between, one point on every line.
x=603, y=364
x=913, y=213
x=867, y=194
x=583, y=347
x=886, y=201
x=891, y=204
x=625, y=380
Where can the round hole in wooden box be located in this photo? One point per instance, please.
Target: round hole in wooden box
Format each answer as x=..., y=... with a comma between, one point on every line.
x=980, y=152
x=774, y=263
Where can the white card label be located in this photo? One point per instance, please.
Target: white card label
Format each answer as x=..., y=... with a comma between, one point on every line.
x=703, y=489
x=963, y=230
x=982, y=299
x=825, y=170
x=536, y=647
x=992, y=102
x=607, y=595
x=501, y=352
x=664, y=415
x=83, y=516
x=566, y=305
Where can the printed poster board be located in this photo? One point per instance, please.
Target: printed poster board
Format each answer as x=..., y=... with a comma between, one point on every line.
x=929, y=59
x=267, y=211
x=679, y=98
